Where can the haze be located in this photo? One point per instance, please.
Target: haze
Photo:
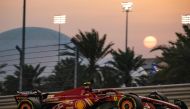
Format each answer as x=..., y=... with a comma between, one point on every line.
x=159, y=18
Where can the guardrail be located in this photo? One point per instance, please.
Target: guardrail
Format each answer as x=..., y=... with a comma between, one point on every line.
x=177, y=91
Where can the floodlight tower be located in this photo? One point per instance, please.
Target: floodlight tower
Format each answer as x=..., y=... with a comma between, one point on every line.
x=22, y=50
x=59, y=20
x=127, y=7
x=185, y=20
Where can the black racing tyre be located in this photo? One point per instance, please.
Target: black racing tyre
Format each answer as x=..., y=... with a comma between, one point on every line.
x=180, y=103
x=130, y=101
x=31, y=103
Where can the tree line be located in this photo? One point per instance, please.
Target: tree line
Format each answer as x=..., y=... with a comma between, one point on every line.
x=92, y=49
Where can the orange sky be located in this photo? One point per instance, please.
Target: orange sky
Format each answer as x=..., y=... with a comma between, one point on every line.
x=160, y=18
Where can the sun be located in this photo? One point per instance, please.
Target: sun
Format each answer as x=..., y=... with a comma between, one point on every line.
x=150, y=41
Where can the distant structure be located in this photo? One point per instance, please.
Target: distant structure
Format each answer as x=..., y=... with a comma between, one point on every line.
x=35, y=36
x=41, y=47
x=149, y=69
x=151, y=65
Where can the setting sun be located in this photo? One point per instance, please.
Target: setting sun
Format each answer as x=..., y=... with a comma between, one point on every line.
x=150, y=41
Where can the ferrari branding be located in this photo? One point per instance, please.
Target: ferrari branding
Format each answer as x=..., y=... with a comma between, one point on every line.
x=80, y=104
x=115, y=98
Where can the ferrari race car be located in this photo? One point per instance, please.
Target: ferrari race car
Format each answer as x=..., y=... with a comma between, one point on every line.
x=86, y=98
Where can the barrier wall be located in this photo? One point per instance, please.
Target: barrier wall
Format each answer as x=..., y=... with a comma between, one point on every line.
x=177, y=91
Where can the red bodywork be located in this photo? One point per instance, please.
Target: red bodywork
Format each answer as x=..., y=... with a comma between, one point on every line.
x=152, y=103
x=85, y=98
x=82, y=98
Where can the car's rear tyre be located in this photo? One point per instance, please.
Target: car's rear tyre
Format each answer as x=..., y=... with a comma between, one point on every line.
x=31, y=103
x=130, y=101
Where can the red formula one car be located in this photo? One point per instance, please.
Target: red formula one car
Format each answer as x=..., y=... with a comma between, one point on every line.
x=86, y=98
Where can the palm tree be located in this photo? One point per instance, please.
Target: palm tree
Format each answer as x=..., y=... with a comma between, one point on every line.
x=125, y=62
x=2, y=72
x=1, y=67
x=112, y=78
x=30, y=81
x=63, y=75
x=176, y=57
x=92, y=48
x=10, y=84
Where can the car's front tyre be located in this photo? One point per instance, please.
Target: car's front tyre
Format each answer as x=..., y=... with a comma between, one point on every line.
x=31, y=103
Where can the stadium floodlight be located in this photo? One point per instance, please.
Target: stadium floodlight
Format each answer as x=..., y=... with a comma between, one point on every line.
x=127, y=6
x=59, y=20
x=185, y=19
